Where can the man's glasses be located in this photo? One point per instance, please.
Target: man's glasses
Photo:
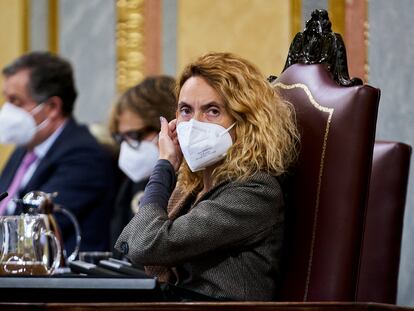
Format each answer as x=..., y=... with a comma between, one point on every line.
x=133, y=138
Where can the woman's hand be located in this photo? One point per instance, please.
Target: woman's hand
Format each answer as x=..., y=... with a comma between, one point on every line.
x=168, y=143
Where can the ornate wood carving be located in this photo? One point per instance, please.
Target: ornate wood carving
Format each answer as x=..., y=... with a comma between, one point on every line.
x=317, y=44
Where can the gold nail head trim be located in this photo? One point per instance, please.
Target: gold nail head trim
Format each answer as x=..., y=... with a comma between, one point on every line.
x=330, y=112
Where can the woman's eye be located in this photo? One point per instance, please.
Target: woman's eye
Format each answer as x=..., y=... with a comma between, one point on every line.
x=213, y=112
x=185, y=111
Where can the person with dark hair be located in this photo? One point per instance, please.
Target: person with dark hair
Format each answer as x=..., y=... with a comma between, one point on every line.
x=134, y=124
x=54, y=153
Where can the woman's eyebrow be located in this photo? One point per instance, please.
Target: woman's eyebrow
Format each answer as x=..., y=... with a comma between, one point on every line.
x=208, y=104
x=212, y=104
x=181, y=103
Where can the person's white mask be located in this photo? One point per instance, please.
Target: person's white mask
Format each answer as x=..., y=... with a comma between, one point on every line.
x=17, y=126
x=138, y=163
x=203, y=143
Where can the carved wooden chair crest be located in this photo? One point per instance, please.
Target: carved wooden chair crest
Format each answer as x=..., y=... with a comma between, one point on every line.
x=317, y=44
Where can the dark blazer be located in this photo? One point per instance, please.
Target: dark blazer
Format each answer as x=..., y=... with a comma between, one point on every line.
x=81, y=171
x=227, y=245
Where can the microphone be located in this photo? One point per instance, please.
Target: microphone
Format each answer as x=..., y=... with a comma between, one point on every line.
x=3, y=195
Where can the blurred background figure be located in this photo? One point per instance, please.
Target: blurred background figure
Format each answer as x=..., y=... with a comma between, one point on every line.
x=54, y=153
x=134, y=124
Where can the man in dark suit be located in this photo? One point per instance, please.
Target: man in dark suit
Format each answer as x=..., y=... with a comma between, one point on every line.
x=54, y=153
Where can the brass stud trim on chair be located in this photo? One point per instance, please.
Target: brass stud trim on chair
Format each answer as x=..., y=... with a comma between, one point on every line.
x=330, y=112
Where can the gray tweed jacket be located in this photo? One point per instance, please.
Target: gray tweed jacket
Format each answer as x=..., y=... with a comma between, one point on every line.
x=226, y=245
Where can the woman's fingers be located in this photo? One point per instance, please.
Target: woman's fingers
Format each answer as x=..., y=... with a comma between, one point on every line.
x=165, y=142
x=172, y=125
x=173, y=131
x=164, y=126
x=168, y=143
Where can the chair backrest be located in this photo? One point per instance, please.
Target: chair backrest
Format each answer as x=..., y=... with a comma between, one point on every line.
x=380, y=254
x=327, y=193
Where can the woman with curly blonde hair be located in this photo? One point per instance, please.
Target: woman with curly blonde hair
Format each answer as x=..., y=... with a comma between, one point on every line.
x=217, y=231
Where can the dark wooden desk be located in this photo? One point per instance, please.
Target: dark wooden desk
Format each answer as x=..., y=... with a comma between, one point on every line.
x=110, y=294
x=78, y=289
x=205, y=306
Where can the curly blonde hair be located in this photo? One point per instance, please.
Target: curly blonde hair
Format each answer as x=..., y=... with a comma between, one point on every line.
x=266, y=136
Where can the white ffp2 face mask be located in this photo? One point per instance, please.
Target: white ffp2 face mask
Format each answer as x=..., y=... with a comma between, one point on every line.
x=17, y=126
x=202, y=143
x=138, y=163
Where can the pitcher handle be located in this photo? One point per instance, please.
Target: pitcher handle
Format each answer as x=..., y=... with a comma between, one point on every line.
x=75, y=223
x=57, y=251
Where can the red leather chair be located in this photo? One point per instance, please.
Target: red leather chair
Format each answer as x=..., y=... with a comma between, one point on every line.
x=345, y=207
x=326, y=194
x=380, y=255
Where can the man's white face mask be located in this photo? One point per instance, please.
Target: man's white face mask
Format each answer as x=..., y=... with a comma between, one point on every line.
x=17, y=126
x=202, y=143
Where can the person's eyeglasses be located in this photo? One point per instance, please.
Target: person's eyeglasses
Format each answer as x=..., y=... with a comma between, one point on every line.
x=133, y=138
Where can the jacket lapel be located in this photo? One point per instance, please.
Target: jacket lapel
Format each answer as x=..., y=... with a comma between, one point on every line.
x=48, y=161
x=179, y=202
